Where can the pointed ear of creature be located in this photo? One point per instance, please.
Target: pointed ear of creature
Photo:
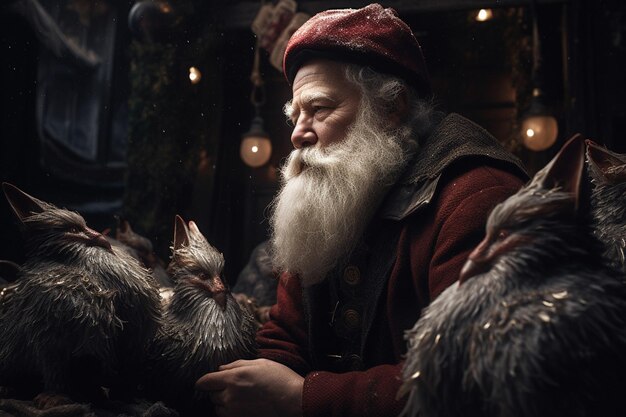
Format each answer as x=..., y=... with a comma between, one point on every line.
x=611, y=166
x=193, y=227
x=23, y=205
x=566, y=168
x=121, y=233
x=123, y=226
x=194, y=232
x=181, y=233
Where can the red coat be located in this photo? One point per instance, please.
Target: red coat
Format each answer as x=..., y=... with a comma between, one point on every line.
x=427, y=234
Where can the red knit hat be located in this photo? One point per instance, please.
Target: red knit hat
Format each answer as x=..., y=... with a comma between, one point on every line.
x=371, y=36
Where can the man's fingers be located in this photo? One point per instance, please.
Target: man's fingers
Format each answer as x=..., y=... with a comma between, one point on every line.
x=237, y=364
x=211, y=382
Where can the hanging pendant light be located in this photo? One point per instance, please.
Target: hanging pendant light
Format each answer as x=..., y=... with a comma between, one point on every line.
x=539, y=127
x=256, y=147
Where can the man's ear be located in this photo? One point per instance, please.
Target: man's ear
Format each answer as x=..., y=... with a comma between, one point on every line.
x=399, y=110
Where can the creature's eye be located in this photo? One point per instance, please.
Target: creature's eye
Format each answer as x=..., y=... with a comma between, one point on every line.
x=74, y=230
x=502, y=234
x=201, y=274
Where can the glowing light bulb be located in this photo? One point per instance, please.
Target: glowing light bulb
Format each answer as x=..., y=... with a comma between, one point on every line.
x=540, y=132
x=255, y=150
x=484, y=15
x=194, y=75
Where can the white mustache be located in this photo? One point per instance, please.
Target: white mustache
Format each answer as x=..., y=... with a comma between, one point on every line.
x=312, y=157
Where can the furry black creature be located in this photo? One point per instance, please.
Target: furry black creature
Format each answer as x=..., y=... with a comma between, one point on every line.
x=536, y=325
x=80, y=314
x=203, y=326
x=607, y=171
x=141, y=248
x=258, y=279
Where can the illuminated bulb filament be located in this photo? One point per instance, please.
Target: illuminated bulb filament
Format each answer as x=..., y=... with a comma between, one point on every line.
x=255, y=149
x=530, y=133
x=484, y=14
x=194, y=75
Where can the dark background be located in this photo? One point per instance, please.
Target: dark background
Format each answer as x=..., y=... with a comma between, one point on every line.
x=479, y=69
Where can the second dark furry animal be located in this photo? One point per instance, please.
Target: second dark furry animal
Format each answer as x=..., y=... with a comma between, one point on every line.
x=537, y=325
x=140, y=247
x=80, y=314
x=203, y=326
x=607, y=171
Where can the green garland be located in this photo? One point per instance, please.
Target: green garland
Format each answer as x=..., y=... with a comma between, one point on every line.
x=169, y=123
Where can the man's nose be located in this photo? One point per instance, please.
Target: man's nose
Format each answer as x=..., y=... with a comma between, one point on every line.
x=303, y=134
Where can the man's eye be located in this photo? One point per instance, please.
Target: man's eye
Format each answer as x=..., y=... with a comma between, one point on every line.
x=321, y=111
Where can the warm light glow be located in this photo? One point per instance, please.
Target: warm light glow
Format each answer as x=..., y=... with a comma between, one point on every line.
x=484, y=14
x=255, y=150
x=540, y=132
x=194, y=75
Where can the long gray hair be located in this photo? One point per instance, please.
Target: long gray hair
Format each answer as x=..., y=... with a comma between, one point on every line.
x=381, y=92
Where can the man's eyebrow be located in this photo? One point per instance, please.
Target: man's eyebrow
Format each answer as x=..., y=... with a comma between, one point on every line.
x=292, y=109
x=309, y=97
x=288, y=109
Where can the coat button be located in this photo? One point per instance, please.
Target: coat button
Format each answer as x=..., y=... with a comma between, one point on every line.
x=351, y=275
x=354, y=362
x=352, y=319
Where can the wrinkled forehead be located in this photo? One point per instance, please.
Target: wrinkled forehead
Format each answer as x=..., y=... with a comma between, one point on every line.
x=322, y=79
x=320, y=69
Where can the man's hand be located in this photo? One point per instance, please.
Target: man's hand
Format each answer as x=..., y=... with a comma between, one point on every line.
x=257, y=387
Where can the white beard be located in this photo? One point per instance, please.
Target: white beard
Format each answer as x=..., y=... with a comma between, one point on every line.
x=329, y=195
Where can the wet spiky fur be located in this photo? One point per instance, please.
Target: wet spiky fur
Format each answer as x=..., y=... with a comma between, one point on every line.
x=607, y=171
x=198, y=334
x=539, y=330
x=79, y=316
x=140, y=247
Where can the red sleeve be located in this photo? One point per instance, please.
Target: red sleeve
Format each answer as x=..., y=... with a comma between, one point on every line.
x=460, y=216
x=284, y=338
x=366, y=393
